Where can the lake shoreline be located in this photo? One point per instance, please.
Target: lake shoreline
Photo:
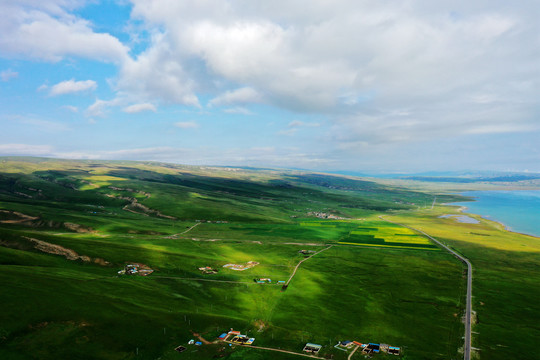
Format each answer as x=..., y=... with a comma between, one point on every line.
x=466, y=210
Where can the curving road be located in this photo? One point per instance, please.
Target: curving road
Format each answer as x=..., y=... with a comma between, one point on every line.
x=468, y=306
x=351, y=354
x=300, y=263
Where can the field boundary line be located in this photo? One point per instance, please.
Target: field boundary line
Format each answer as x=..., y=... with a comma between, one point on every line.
x=468, y=306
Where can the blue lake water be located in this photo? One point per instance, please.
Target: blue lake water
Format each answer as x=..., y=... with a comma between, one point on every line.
x=518, y=210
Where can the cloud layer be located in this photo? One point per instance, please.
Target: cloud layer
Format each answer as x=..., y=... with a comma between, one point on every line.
x=381, y=71
x=375, y=77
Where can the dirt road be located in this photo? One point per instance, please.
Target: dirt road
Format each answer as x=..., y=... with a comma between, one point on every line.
x=191, y=228
x=278, y=350
x=210, y=280
x=300, y=263
x=351, y=354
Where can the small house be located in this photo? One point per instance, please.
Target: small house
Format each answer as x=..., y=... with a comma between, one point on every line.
x=131, y=269
x=180, y=349
x=243, y=340
x=312, y=348
x=263, y=281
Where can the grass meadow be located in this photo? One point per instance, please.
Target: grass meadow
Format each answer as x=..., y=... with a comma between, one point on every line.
x=378, y=282
x=506, y=280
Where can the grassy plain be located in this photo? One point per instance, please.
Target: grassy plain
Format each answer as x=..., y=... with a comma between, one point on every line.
x=399, y=289
x=505, y=282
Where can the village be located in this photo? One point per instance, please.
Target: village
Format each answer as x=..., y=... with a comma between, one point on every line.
x=368, y=348
x=136, y=269
x=235, y=337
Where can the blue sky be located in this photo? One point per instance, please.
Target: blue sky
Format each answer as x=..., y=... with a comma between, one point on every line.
x=325, y=85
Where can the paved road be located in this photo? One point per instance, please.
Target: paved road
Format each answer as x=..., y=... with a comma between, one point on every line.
x=468, y=306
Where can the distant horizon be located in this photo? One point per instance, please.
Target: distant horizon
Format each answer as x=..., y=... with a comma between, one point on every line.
x=426, y=173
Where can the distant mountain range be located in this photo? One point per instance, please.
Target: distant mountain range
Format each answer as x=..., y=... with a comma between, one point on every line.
x=453, y=176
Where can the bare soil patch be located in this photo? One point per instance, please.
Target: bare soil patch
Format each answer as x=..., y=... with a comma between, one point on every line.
x=78, y=228
x=260, y=325
x=14, y=217
x=69, y=254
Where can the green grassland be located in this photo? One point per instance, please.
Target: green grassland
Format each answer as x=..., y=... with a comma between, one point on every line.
x=377, y=282
x=506, y=281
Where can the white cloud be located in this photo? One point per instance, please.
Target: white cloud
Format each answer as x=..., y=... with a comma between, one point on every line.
x=295, y=125
x=298, y=123
x=45, y=125
x=25, y=149
x=99, y=107
x=250, y=156
x=382, y=75
x=245, y=95
x=186, y=125
x=72, y=86
x=157, y=75
x=288, y=132
x=71, y=108
x=136, y=108
x=238, y=110
x=351, y=61
x=47, y=30
x=149, y=153
x=8, y=74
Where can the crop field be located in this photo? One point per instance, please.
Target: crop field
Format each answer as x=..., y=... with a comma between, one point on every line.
x=383, y=234
x=67, y=228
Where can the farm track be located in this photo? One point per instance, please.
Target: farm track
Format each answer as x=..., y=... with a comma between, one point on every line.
x=300, y=263
x=468, y=306
x=351, y=354
x=279, y=350
x=191, y=228
x=210, y=280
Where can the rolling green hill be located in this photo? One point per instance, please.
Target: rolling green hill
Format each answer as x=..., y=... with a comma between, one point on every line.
x=68, y=227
